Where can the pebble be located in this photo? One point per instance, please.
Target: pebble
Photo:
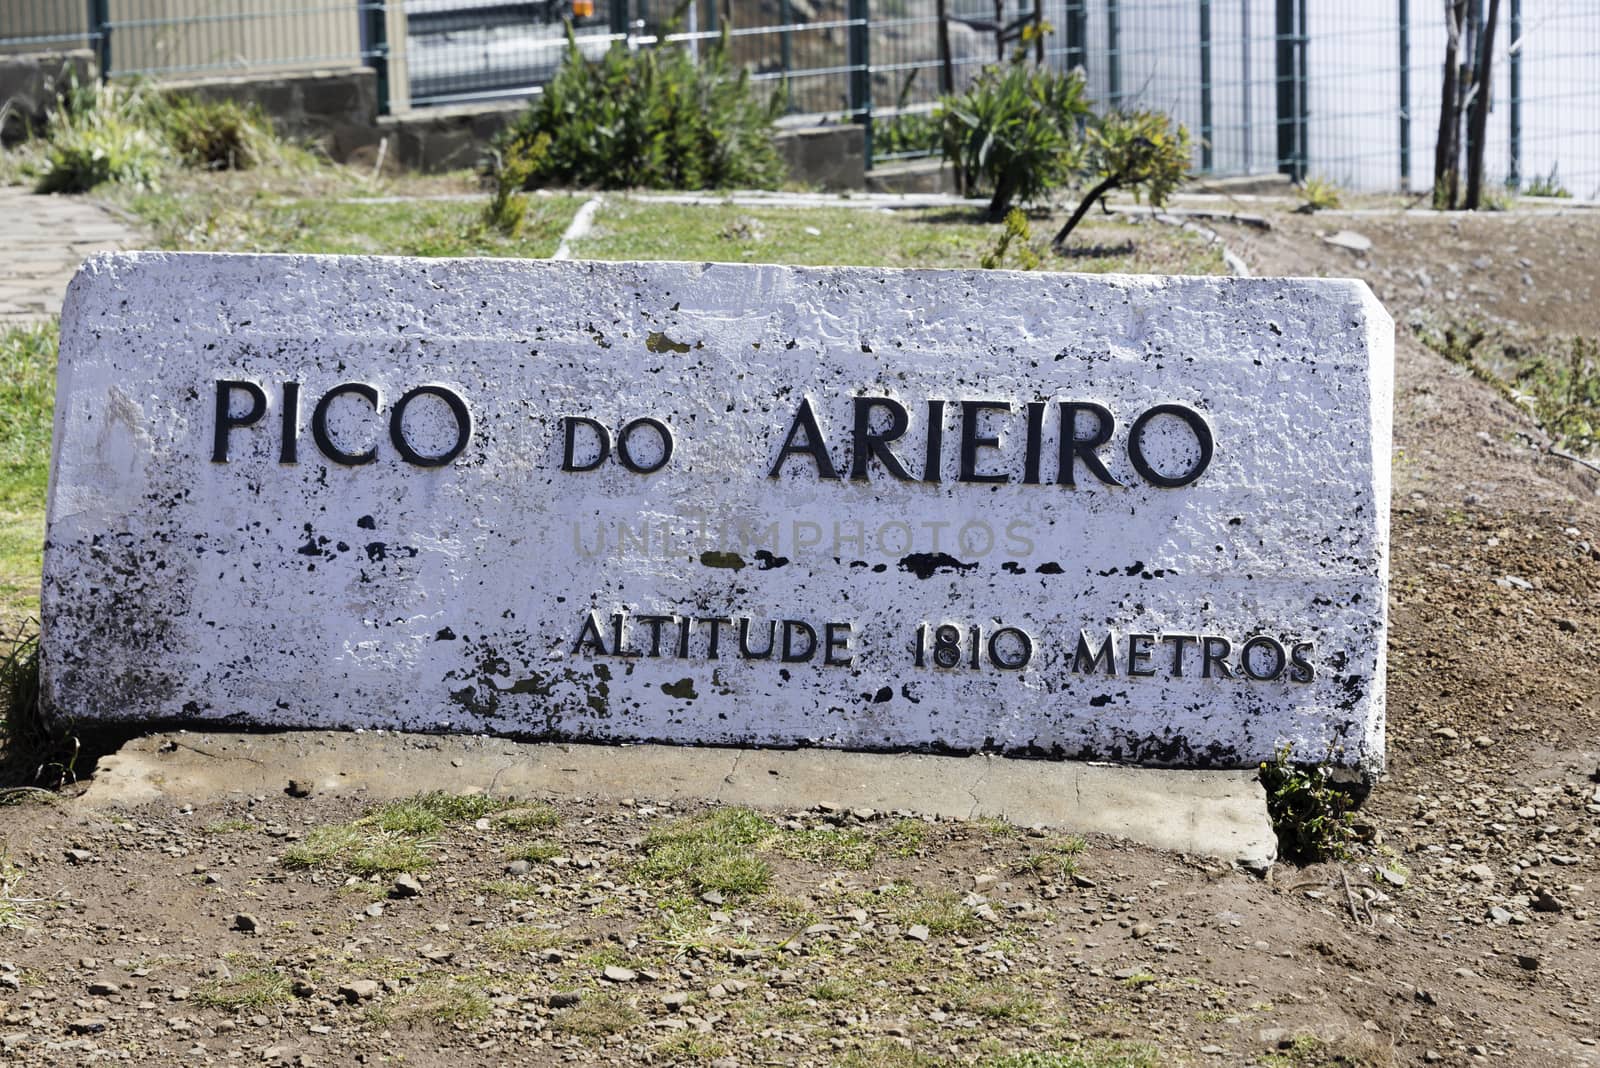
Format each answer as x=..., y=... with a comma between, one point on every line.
x=619, y=974
x=406, y=885
x=246, y=922
x=359, y=990
x=88, y=1025
x=103, y=989
x=1351, y=240
x=564, y=999
x=1499, y=915
x=518, y=867
x=917, y=932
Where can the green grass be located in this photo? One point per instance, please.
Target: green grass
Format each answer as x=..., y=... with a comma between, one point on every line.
x=538, y=852
x=255, y=988
x=522, y=938
x=441, y=1001
x=11, y=914
x=713, y=851
x=626, y=230
x=27, y=391
x=428, y=813
x=536, y=817
x=598, y=1015
x=1055, y=859
x=1094, y=1053
x=217, y=218
x=847, y=848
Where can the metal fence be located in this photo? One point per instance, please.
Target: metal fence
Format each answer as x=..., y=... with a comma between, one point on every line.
x=1349, y=92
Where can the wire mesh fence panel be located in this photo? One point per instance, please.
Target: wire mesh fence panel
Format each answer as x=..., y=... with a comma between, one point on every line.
x=458, y=51
x=1349, y=92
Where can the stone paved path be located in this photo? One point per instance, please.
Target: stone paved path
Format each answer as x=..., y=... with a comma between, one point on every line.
x=42, y=241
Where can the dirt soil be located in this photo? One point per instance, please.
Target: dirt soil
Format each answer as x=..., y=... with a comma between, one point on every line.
x=1465, y=929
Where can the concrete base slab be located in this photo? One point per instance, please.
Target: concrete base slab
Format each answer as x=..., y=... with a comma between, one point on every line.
x=1215, y=813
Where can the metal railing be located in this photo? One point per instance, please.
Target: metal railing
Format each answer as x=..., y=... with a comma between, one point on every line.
x=1349, y=92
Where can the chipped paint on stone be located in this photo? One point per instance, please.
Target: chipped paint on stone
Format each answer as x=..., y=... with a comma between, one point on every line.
x=314, y=593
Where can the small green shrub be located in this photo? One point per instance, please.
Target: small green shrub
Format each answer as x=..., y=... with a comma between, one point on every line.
x=653, y=118
x=1014, y=132
x=1546, y=185
x=1310, y=815
x=217, y=135
x=1319, y=194
x=1143, y=152
x=108, y=142
x=1015, y=229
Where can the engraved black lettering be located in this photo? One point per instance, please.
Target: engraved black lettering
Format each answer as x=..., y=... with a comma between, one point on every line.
x=836, y=639
x=625, y=454
x=458, y=411
x=792, y=655
x=289, y=446
x=602, y=438
x=744, y=640
x=589, y=637
x=1085, y=664
x=716, y=623
x=225, y=421
x=1300, y=669
x=1214, y=652
x=931, y=459
x=1072, y=448
x=1197, y=426
x=319, y=424
x=867, y=444
x=972, y=440
x=1033, y=444
x=1178, y=641
x=1139, y=654
x=654, y=623
x=814, y=446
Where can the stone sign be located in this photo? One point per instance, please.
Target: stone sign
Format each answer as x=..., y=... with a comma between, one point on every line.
x=1126, y=518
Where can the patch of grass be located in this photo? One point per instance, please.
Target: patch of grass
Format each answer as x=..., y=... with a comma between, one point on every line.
x=941, y=913
x=1055, y=859
x=643, y=230
x=1309, y=1051
x=997, y=828
x=522, y=938
x=836, y=990
x=11, y=912
x=1319, y=194
x=536, y=817
x=1094, y=1053
x=686, y=1047
x=440, y=1001
x=428, y=813
x=217, y=217
x=886, y=1054
x=232, y=825
x=905, y=837
x=255, y=988
x=388, y=855
x=537, y=852
x=322, y=845
x=504, y=888
x=598, y=1015
x=713, y=851
x=27, y=397
x=1009, y=1004
x=839, y=848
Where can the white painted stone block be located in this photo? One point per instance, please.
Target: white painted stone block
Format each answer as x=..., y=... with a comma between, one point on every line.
x=276, y=581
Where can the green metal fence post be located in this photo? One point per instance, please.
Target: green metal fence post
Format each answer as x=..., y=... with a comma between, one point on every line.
x=859, y=60
x=617, y=10
x=1206, y=132
x=1514, y=168
x=1405, y=96
x=375, y=46
x=1113, y=54
x=100, y=35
